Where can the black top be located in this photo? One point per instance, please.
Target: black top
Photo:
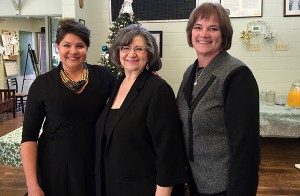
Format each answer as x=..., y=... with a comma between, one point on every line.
x=65, y=162
x=109, y=125
x=144, y=145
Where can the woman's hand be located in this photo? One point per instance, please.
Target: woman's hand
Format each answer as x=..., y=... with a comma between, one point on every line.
x=163, y=191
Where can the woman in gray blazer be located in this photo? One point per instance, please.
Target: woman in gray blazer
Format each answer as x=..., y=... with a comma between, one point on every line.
x=219, y=108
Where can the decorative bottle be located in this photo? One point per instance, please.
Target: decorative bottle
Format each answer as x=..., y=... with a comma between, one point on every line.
x=294, y=94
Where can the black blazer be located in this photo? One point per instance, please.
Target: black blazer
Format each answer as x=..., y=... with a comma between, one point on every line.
x=144, y=148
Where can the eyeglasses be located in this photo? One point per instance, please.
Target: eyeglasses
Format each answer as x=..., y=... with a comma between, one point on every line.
x=137, y=49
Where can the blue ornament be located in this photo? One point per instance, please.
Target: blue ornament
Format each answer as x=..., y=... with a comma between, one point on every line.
x=104, y=48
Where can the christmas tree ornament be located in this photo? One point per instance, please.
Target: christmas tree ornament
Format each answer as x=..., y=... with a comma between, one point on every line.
x=246, y=36
x=127, y=8
x=104, y=48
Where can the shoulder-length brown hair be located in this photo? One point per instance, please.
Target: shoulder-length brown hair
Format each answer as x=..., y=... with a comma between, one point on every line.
x=125, y=37
x=204, y=11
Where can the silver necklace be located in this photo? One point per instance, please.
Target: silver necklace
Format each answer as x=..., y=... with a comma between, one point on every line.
x=197, y=78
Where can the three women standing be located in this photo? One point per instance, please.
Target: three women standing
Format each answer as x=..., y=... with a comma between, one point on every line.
x=138, y=136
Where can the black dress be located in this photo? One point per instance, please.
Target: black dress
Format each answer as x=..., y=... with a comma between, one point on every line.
x=66, y=147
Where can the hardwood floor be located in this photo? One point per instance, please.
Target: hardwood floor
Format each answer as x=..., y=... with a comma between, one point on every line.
x=278, y=175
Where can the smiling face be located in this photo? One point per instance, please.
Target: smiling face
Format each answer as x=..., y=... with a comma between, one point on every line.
x=72, y=52
x=206, y=37
x=132, y=61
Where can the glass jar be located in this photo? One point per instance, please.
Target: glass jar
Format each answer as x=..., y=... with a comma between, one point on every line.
x=294, y=94
x=270, y=98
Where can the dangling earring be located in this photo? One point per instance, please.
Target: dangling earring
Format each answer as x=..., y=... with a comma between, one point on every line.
x=147, y=67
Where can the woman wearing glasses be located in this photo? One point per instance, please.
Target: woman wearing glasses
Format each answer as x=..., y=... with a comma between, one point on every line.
x=139, y=146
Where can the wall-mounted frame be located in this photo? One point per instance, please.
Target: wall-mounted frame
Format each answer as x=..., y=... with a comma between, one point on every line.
x=204, y=1
x=82, y=21
x=155, y=10
x=243, y=8
x=158, y=37
x=291, y=8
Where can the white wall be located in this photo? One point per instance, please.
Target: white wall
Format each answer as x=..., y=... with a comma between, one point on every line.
x=96, y=15
x=274, y=70
x=32, y=8
x=71, y=9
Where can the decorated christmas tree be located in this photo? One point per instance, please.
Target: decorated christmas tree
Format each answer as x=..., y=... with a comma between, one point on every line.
x=125, y=18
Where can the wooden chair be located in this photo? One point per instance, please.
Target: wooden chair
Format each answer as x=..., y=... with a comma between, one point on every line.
x=21, y=97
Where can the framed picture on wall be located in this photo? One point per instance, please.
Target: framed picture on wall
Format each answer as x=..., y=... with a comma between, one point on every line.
x=158, y=37
x=82, y=21
x=155, y=10
x=203, y=1
x=291, y=7
x=243, y=8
